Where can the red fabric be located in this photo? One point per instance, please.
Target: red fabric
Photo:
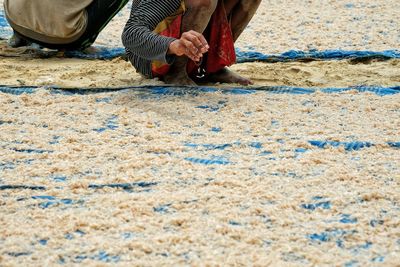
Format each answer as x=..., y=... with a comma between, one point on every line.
x=174, y=30
x=219, y=37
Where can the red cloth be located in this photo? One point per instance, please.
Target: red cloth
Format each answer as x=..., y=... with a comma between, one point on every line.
x=219, y=37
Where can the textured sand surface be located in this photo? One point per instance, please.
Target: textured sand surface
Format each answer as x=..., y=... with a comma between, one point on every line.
x=204, y=179
x=100, y=73
x=278, y=26
x=282, y=25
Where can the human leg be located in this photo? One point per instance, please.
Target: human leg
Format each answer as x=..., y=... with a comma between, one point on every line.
x=196, y=18
x=17, y=40
x=240, y=12
x=100, y=13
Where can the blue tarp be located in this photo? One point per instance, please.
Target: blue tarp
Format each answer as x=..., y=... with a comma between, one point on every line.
x=185, y=90
x=253, y=56
x=5, y=30
x=293, y=55
x=242, y=56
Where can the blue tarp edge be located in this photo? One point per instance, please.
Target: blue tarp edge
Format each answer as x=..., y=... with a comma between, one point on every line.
x=253, y=56
x=182, y=90
x=242, y=56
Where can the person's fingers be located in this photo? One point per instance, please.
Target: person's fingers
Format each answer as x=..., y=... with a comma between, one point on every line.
x=197, y=39
x=200, y=37
x=189, y=43
x=191, y=51
x=177, y=48
x=182, y=47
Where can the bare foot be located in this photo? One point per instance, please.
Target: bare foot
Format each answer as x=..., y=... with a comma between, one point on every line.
x=227, y=76
x=91, y=50
x=178, y=79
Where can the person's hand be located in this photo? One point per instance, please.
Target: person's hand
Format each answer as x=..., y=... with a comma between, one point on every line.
x=191, y=44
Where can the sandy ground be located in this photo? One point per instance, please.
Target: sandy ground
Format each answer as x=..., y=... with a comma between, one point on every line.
x=21, y=67
x=213, y=179
x=282, y=25
x=117, y=73
x=302, y=25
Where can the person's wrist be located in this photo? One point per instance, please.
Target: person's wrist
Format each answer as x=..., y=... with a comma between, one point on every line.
x=172, y=48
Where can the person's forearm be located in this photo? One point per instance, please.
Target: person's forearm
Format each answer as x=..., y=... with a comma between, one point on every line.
x=147, y=46
x=191, y=44
x=138, y=35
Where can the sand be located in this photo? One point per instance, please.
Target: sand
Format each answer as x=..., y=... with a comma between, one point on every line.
x=277, y=27
x=135, y=178
x=216, y=179
x=282, y=25
x=25, y=70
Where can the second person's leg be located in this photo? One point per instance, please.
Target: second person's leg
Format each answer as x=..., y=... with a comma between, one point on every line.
x=240, y=12
x=100, y=13
x=196, y=18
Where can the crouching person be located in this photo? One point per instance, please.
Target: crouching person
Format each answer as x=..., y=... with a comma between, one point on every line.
x=59, y=24
x=184, y=41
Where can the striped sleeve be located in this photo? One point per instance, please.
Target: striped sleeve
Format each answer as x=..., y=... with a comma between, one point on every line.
x=141, y=43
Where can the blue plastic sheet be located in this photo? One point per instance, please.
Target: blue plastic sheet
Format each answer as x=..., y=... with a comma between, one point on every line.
x=349, y=146
x=125, y=186
x=3, y=21
x=101, y=53
x=242, y=56
x=253, y=56
x=195, y=90
x=5, y=30
x=293, y=55
x=21, y=187
x=313, y=206
x=211, y=161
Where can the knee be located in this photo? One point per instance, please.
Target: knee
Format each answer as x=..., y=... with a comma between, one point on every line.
x=202, y=5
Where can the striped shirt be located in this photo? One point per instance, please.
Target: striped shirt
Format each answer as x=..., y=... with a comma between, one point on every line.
x=141, y=43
